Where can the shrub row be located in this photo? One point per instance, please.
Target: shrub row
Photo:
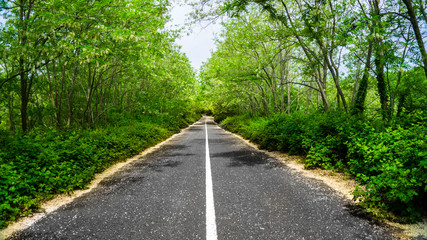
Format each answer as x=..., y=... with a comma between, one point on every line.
x=36, y=166
x=389, y=160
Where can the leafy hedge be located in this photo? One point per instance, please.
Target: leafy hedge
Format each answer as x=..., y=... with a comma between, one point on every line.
x=390, y=160
x=36, y=166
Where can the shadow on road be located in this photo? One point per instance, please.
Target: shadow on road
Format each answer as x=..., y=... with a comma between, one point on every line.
x=241, y=158
x=194, y=129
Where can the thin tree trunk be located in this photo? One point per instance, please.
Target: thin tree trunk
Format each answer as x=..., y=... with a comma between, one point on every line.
x=265, y=101
x=282, y=82
x=328, y=63
x=24, y=96
x=10, y=110
x=23, y=77
x=359, y=103
x=309, y=92
x=322, y=87
x=356, y=83
x=59, y=100
x=399, y=77
x=274, y=87
x=418, y=36
x=288, y=105
x=423, y=10
x=71, y=95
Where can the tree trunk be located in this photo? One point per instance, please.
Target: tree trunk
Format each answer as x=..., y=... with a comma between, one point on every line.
x=356, y=82
x=338, y=101
x=399, y=78
x=423, y=10
x=309, y=92
x=23, y=77
x=380, y=62
x=282, y=82
x=418, y=36
x=321, y=82
x=59, y=100
x=71, y=95
x=10, y=110
x=359, y=103
x=274, y=87
x=335, y=76
x=264, y=98
x=328, y=63
x=381, y=84
x=24, y=97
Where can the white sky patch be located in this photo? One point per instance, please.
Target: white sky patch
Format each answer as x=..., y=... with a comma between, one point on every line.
x=199, y=42
x=2, y=20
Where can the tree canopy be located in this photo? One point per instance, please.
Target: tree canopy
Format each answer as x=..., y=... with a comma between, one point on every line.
x=81, y=63
x=356, y=56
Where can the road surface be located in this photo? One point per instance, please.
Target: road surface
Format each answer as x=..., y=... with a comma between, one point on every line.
x=194, y=188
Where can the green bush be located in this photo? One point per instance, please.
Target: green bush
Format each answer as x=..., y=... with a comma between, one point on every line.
x=285, y=133
x=235, y=123
x=250, y=128
x=392, y=163
x=255, y=130
x=326, y=135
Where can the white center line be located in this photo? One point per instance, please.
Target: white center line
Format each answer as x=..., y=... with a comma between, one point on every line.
x=210, y=206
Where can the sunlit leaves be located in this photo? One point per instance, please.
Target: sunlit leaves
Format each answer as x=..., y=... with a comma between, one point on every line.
x=91, y=57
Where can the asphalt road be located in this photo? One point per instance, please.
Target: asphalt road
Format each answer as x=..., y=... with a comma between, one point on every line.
x=164, y=195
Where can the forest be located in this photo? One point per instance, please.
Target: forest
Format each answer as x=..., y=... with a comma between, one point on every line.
x=85, y=84
x=341, y=83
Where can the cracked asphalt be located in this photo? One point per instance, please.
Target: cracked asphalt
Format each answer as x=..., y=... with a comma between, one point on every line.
x=162, y=196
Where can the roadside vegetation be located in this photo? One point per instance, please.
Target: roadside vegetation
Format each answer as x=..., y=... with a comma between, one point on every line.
x=343, y=83
x=83, y=85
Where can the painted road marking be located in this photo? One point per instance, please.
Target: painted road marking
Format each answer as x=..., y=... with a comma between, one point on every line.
x=210, y=207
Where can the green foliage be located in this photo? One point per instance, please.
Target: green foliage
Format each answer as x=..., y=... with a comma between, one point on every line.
x=392, y=165
x=284, y=132
x=326, y=135
x=412, y=92
x=248, y=127
x=41, y=164
x=389, y=160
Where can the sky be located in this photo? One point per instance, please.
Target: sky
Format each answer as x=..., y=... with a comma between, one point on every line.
x=200, y=41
